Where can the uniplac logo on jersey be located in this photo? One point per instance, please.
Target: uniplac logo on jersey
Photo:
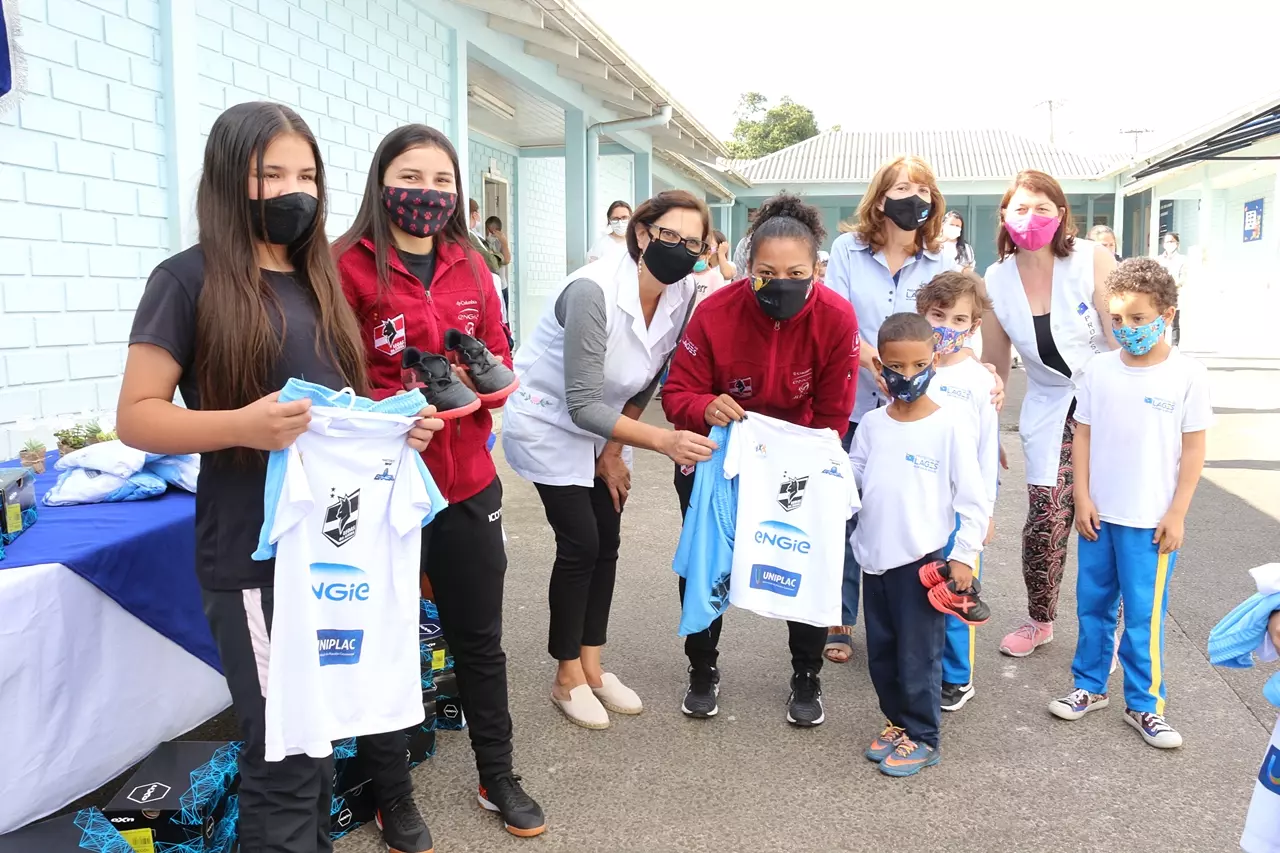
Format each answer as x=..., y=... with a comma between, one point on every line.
x=774, y=579
x=1269, y=774
x=339, y=647
x=791, y=492
x=149, y=792
x=784, y=537
x=341, y=518
x=339, y=582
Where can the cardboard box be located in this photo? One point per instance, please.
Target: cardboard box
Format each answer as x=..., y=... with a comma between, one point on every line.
x=449, y=715
x=184, y=793
x=88, y=829
x=17, y=501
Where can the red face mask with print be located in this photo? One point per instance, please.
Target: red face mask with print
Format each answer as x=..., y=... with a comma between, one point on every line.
x=421, y=213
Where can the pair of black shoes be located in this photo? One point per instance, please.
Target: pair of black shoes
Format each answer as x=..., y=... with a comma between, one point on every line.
x=404, y=829
x=434, y=375
x=804, y=705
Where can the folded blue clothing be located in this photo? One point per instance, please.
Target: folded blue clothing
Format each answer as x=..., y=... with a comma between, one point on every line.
x=1240, y=633
x=87, y=486
x=704, y=557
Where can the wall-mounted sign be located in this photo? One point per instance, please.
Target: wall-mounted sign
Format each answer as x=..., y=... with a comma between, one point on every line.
x=1253, y=220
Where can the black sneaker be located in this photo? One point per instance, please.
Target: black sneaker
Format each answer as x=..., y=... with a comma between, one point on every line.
x=494, y=381
x=955, y=695
x=522, y=816
x=403, y=828
x=966, y=606
x=704, y=687
x=434, y=375
x=804, y=706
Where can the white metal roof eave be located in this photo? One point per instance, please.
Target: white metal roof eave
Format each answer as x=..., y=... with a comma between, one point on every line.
x=692, y=169
x=570, y=17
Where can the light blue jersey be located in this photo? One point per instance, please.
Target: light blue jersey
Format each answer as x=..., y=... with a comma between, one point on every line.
x=704, y=557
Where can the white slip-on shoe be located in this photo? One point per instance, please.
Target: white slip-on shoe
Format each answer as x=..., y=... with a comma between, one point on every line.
x=616, y=696
x=582, y=707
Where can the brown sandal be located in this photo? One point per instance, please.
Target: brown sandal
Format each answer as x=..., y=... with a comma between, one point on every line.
x=839, y=647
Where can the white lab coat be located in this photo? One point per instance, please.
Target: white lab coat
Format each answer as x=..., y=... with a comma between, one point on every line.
x=539, y=438
x=1078, y=333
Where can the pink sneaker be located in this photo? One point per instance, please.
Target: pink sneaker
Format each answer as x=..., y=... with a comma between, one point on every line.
x=1027, y=639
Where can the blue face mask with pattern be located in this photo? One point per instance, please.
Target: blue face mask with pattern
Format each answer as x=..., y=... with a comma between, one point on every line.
x=908, y=389
x=700, y=266
x=947, y=340
x=1141, y=339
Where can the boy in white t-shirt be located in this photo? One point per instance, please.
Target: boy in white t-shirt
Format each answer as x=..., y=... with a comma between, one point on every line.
x=916, y=464
x=1139, y=450
x=953, y=303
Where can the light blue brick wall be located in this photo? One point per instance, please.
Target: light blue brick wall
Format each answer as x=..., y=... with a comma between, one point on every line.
x=482, y=154
x=354, y=69
x=83, y=208
x=542, y=243
x=613, y=182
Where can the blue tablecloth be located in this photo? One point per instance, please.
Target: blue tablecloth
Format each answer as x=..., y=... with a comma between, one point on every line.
x=141, y=554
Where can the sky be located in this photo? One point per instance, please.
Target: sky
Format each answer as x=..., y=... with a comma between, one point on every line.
x=1163, y=66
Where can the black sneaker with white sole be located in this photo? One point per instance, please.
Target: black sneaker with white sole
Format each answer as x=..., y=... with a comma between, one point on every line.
x=520, y=812
x=403, y=828
x=700, y=700
x=955, y=695
x=804, y=705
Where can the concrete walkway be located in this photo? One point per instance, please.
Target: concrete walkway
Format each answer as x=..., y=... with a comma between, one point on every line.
x=1013, y=778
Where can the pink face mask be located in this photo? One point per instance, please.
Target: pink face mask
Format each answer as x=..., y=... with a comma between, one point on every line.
x=1032, y=231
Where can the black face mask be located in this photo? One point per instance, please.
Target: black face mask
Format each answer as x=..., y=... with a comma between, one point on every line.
x=286, y=217
x=781, y=298
x=668, y=264
x=907, y=213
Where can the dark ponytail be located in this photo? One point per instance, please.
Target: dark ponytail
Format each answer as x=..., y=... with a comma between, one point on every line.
x=786, y=217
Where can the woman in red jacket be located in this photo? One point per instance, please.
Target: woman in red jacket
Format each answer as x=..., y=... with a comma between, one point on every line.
x=781, y=344
x=420, y=293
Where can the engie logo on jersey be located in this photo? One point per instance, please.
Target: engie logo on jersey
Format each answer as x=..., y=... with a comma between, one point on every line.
x=784, y=537
x=341, y=517
x=1269, y=775
x=339, y=647
x=774, y=579
x=338, y=582
x=791, y=492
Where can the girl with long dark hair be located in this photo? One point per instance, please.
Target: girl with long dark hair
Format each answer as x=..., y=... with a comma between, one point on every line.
x=421, y=294
x=954, y=246
x=227, y=322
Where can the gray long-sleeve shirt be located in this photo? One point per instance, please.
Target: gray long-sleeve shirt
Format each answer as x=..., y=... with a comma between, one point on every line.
x=582, y=311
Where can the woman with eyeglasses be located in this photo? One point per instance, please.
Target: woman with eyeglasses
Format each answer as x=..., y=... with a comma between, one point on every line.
x=586, y=374
x=614, y=240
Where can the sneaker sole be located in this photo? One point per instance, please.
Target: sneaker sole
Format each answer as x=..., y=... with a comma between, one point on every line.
x=806, y=724
x=1004, y=650
x=1150, y=740
x=1062, y=712
x=618, y=709
x=454, y=414
x=499, y=396
x=514, y=830
x=910, y=769
x=965, y=696
x=595, y=727
x=941, y=599
x=699, y=715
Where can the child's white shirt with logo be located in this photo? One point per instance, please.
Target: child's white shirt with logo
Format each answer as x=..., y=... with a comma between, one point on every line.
x=345, y=507
x=967, y=386
x=795, y=493
x=1136, y=418
x=915, y=478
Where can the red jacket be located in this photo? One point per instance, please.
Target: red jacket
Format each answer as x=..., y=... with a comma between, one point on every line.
x=803, y=370
x=461, y=297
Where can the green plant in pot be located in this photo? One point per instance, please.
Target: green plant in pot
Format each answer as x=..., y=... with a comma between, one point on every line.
x=32, y=455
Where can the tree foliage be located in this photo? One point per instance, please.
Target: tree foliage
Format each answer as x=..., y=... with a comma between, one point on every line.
x=763, y=129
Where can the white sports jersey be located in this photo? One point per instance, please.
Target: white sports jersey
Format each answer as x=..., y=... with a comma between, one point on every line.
x=795, y=493
x=350, y=500
x=1262, y=826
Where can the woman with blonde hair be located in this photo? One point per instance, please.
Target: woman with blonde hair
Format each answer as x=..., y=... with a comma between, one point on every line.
x=891, y=247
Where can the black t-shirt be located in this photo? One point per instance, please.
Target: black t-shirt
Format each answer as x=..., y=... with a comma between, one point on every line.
x=229, y=495
x=423, y=267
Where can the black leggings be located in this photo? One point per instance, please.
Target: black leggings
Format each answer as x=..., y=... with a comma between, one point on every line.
x=587, y=529
x=806, y=641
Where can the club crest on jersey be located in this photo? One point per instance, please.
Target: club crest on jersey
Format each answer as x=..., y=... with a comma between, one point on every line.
x=1269, y=775
x=386, y=471
x=341, y=517
x=791, y=492
x=389, y=338
x=740, y=387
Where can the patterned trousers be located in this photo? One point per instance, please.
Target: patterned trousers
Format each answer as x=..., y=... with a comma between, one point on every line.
x=1050, y=520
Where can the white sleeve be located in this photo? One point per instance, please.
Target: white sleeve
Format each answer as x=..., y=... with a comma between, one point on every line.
x=1083, y=415
x=733, y=449
x=989, y=447
x=858, y=451
x=295, y=501
x=1197, y=409
x=968, y=496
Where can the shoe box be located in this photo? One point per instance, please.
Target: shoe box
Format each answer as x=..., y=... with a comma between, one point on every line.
x=353, y=803
x=76, y=832
x=435, y=652
x=182, y=797
x=17, y=503
x=449, y=714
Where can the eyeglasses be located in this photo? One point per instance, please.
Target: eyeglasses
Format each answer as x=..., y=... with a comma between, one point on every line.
x=667, y=237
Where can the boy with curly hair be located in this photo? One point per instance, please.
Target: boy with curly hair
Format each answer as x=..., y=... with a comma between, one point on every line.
x=1139, y=449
